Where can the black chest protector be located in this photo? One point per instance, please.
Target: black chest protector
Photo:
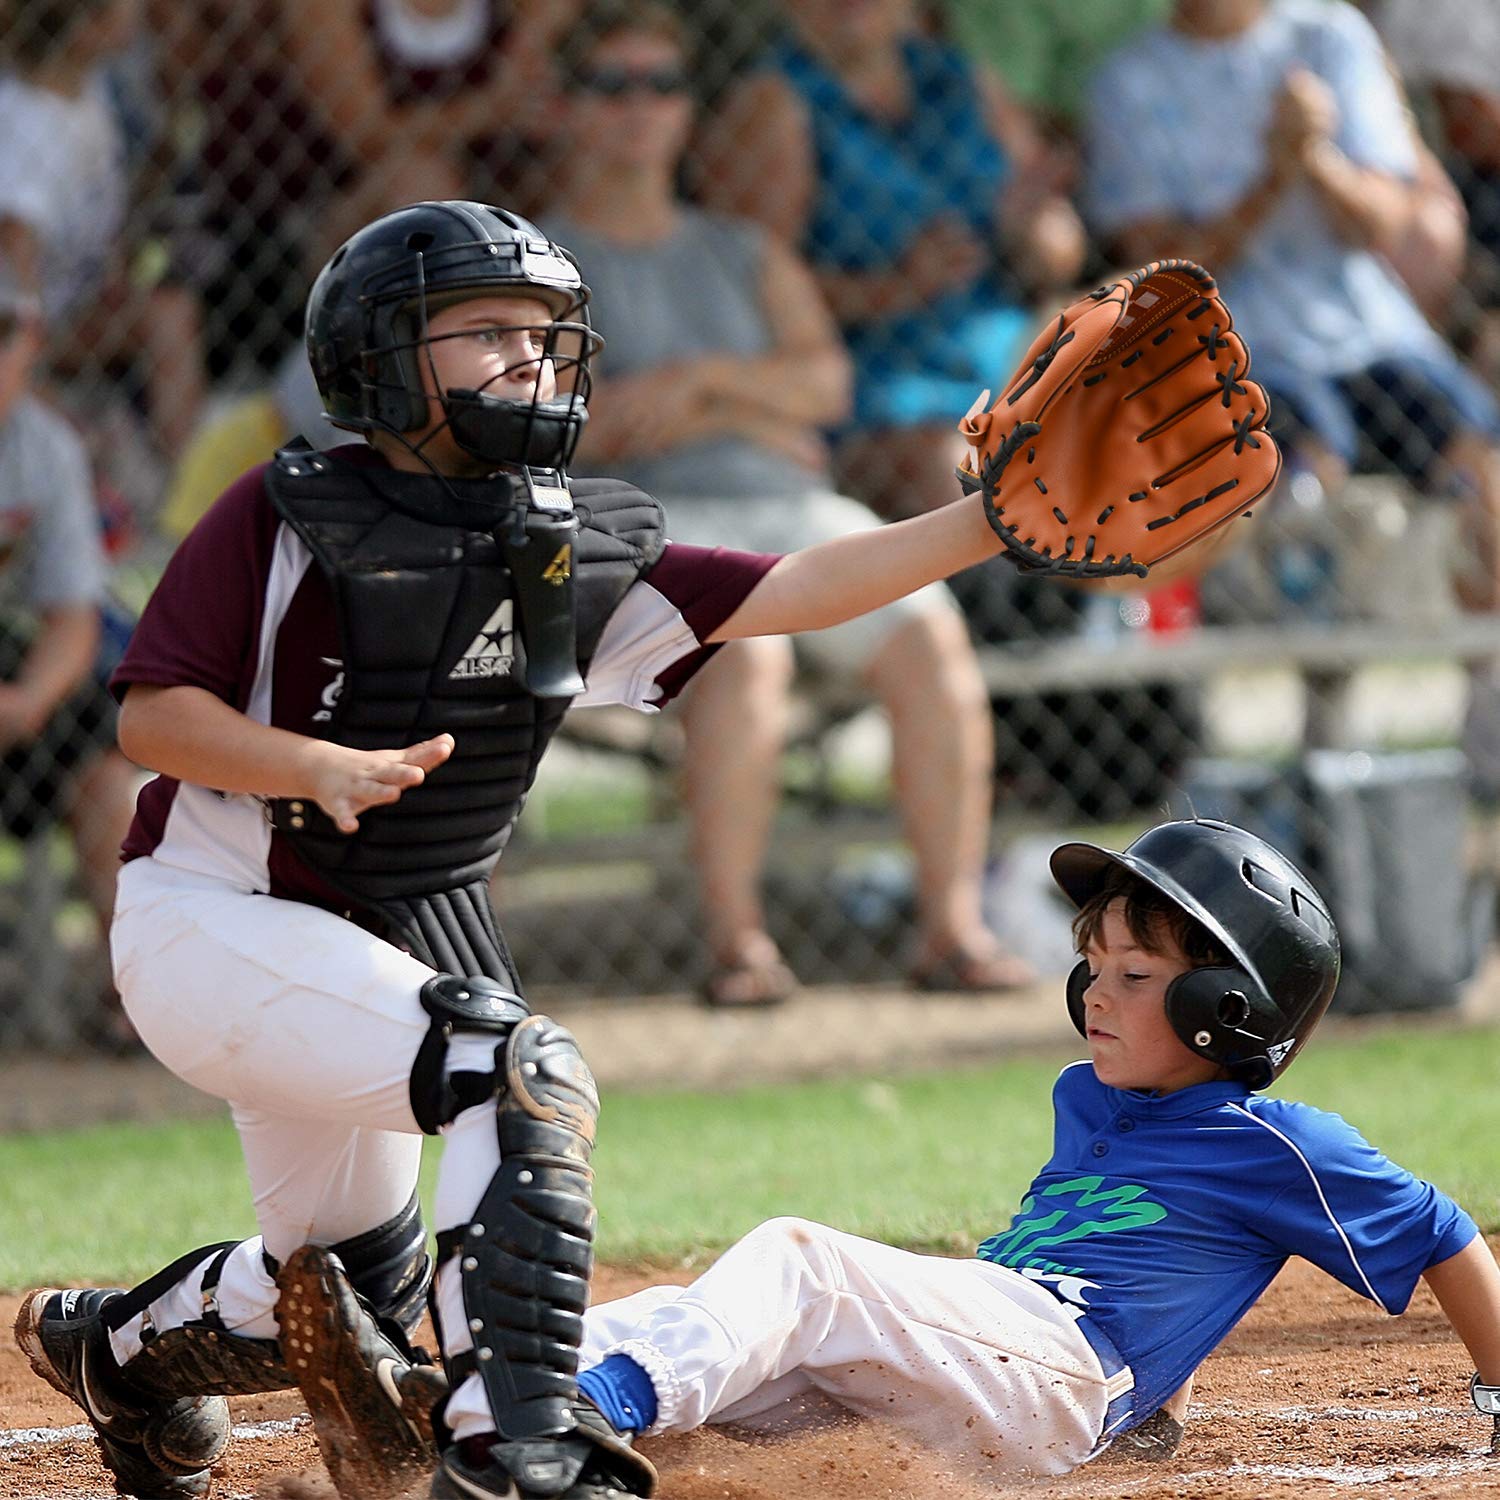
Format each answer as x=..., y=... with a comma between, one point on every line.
x=438, y=589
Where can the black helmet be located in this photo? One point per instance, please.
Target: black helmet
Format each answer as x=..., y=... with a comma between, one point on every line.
x=1253, y=1016
x=367, y=318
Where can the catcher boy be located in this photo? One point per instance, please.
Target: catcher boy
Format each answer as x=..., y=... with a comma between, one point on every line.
x=1174, y=1194
x=345, y=680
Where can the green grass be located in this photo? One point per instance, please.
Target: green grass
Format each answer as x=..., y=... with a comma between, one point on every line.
x=933, y=1161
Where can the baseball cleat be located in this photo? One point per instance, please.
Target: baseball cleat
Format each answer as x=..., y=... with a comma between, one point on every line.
x=370, y=1400
x=601, y=1463
x=157, y=1447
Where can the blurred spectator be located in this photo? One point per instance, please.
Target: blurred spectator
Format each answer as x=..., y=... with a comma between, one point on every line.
x=298, y=123
x=1291, y=209
x=57, y=723
x=430, y=94
x=252, y=169
x=721, y=364
x=64, y=191
x=926, y=203
x=1449, y=50
x=1282, y=158
x=239, y=435
x=1045, y=50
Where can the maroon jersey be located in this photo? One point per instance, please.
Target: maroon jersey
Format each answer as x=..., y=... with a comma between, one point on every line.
x=242, y=612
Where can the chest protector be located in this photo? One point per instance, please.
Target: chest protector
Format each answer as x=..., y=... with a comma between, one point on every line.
x=438, y=587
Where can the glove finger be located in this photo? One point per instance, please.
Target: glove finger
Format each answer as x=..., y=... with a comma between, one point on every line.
x=1234, y=415
x=1202, y=495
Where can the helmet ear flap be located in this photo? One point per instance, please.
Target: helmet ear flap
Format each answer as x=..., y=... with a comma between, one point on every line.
x=1078, y=981
x=1218, y=1012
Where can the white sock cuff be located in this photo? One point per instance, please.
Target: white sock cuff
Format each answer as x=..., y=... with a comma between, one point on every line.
x=663, y=1376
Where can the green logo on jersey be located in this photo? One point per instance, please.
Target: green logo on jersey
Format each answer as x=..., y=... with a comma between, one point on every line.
x=1030, y=1232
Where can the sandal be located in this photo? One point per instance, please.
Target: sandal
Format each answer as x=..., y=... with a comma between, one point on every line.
x=992, y=971
x=748, y=985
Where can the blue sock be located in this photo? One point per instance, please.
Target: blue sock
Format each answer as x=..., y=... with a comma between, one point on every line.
x=622, y=1390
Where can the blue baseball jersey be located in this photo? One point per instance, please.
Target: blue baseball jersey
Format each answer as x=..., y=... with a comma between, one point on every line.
x=1162, y=1219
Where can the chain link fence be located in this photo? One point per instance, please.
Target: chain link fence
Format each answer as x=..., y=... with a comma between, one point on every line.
x=929, y=182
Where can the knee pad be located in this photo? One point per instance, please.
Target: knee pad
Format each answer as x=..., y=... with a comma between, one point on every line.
x=476, y=1006
x=389, y=1267
x=526, y=1259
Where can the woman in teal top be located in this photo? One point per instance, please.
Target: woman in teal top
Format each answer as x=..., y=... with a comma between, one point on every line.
x=923, y=199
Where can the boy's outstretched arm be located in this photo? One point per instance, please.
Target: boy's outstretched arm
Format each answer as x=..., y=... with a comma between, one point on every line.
x=1467, y=1287
x=836, y=580
x=187, y=733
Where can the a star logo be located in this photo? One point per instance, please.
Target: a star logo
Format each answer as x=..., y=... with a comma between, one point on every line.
x=490, y=653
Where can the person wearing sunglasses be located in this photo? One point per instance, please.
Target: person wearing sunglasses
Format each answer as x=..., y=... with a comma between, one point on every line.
x=928, y=205
x=722, y=365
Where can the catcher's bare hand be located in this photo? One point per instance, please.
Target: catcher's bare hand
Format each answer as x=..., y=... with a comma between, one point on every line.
x=348, y=782
x=1129, y=432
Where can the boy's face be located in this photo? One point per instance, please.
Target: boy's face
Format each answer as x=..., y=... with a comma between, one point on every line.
x=1131, y=1042
x=493, y=344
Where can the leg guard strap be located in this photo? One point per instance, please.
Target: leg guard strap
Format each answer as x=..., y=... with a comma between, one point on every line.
x=196, y=1360
x=202, y=1358
x=389, y=1267
x=475, y=1005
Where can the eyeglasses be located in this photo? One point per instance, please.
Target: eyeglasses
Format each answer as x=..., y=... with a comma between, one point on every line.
x=615, y=83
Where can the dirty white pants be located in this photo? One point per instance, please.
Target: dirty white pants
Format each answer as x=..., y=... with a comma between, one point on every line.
x=968, y=1358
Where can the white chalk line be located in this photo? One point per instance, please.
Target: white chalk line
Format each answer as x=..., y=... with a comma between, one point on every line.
x=41, y=1437
x=1346, y=1475
x=1351, y=1475
x=1336, y=1413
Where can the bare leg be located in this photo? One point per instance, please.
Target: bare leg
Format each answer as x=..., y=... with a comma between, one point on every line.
x=942, y=747
x=1476, y=583
x=172, y=330
x=99, y=814
x=1476, y=465
x=734, y=723
x=98, y=818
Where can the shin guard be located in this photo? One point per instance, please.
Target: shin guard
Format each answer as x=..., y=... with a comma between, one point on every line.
x=526, y=1259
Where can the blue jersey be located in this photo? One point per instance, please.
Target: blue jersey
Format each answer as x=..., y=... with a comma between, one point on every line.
x=1162, y=1219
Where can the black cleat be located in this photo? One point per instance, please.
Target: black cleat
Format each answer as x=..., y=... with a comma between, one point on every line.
x=369, y=1394
x=157, y=1447
x=593, y=1462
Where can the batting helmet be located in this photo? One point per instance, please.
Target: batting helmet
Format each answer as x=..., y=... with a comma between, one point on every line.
x=367, y=328
x=1252, y=1015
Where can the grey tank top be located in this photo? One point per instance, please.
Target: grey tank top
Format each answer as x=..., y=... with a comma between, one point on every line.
x=697, y=292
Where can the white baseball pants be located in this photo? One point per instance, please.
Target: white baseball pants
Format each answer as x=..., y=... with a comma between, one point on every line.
x=971, y=1359
x=307, y=1025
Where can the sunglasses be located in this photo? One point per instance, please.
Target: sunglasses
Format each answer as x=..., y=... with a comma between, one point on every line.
x=615, y=83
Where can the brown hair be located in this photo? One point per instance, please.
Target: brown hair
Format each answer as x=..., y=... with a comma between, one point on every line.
x=610, y=18
x=1152, y=918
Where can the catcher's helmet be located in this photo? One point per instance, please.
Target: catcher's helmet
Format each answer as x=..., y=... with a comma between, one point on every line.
x=367, y=318
x=1252, y=1016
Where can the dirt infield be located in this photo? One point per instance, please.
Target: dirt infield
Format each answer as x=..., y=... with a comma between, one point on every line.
x=1314, y=1394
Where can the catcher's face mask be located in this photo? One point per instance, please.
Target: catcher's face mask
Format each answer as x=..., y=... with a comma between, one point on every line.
x=509, y=375
x=368, y=318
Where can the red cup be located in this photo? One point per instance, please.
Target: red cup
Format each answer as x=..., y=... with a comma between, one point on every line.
x=1174, y=608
